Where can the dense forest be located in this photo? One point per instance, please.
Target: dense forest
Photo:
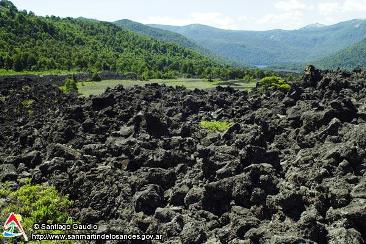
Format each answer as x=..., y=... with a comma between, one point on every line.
x=32, y=43
x=348, y=58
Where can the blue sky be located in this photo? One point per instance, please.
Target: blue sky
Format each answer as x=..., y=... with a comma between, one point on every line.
x=228, y=14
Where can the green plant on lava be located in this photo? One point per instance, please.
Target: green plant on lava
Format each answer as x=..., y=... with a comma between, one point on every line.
x=215, y=126
x=70, y=85
x=3, y=99
x=27, y=103
x=273, y=83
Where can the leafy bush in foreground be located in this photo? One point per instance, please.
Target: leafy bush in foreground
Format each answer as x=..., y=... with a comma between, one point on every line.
x=215, y=126
x=273, y=83
x=35, y=203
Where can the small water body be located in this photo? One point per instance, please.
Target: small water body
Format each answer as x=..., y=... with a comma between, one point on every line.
x=261, y=66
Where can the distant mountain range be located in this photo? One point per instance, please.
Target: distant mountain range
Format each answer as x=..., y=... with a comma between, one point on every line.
x=313, y=26
x=156, y=33
x=312, y=44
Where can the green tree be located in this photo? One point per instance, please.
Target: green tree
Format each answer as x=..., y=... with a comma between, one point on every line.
x=70, y=85
x=96, y=77
x=18, y=64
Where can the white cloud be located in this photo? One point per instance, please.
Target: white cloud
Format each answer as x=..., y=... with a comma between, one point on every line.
x=281, y=14
x=331, y=9
x=291, y=5
x=215, y=19
x=289, y=15
x=207, y=18
x=165, y=20
x=244, y=18
x=354, y=6
x=328, y=8
x=287, y=20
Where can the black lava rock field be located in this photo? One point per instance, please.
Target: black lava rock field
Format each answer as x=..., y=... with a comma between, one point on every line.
x=290, y=169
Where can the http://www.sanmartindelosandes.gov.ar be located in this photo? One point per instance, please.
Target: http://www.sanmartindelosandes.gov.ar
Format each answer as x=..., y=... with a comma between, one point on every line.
x=14, y=229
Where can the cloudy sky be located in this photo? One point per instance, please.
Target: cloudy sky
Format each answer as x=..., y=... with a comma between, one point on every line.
x=228, y=14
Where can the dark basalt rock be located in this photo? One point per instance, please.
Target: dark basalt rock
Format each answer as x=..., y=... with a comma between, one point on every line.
x=217, y=197
x=7, y=172
x=193, y=234
x=291, y=169
x=31, y=159
x=149, y=199
x=311, y=76
x=98, y=103
x=155, y=126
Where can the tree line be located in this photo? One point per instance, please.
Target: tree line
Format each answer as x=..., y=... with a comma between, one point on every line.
x=32, y=43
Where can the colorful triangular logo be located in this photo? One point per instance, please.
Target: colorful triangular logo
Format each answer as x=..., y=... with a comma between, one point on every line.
x=13, y=227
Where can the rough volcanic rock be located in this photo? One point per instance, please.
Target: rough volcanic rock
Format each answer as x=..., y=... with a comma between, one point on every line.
x=311, y=76
x=291, y=169
x=149, y=199
x=7, y=172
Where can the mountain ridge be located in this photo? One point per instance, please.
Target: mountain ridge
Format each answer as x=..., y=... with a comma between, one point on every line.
x=157, y=33
x=35, y=43
x=274, y=47
x=316, y=24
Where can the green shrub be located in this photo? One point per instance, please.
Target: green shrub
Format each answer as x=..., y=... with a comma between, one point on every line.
x=27, y=103
x=30, y=112
x=26, y=88
x=285, y=87
x=70, y=85
x=96, y=77
x=145, y=76
x=273, y=83
x=169, y=75
x=35, y=203
x=249, y=79
x=131, y=76
x=215, y=126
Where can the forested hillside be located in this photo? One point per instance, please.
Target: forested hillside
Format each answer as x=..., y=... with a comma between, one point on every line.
x=29, y=42
x=348, y=58
x=157, y=33
x=275, y=47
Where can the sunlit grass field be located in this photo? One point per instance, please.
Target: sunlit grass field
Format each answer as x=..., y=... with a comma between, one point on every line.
x=47, y=72
x=96, y=88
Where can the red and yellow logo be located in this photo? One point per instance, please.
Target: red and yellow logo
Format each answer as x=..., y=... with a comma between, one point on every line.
x=13, y=227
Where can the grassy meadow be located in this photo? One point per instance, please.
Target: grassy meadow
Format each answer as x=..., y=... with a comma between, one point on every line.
x=96, y=88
